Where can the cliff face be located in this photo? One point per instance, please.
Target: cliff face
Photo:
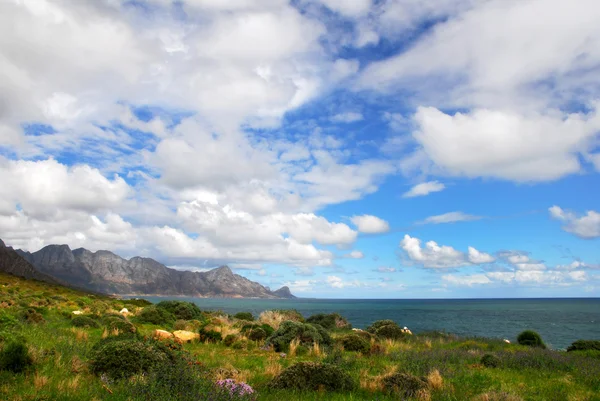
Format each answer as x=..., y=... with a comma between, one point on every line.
x=103, y=271
x=12, y=263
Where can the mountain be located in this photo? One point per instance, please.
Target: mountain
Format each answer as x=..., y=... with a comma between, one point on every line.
x=105, y=272
x=12, y=263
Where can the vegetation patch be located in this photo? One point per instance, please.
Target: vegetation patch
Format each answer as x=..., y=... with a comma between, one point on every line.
x=356, y=343
x=584, y=345
x=84, y=321
x=490, y=361
x=181, y=310
x=531, y=338
x=15, y=357
x=314, y=376
x=306, y=334
x=244, y=316
x=405, y=385
x=330, y=321
x=156, y=315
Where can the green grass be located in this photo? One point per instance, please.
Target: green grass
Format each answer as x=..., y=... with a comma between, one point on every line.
x=61, y=353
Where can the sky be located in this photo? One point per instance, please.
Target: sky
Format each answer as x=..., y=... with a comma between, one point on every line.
x=346, y=149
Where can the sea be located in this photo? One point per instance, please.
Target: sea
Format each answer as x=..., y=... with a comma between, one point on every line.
x=559, y=321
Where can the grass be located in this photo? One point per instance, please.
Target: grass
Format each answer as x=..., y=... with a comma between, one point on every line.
x=448, y=364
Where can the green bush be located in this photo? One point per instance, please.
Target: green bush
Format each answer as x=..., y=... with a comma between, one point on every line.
x=15, y=357
x=180, y=325
x=32, y=316
x=330, y=321
x=244, y=316
x=404, y=384
x=257, y=334
x=356, y=343
x=123, y=358
x=181, y=309
x=156, y=315
x=247, y=328
x=490, y=361
x=137, y=302
x=306, y=333
x=391, y=331
x=119, y=324
x=209, y=335
x=380, y=323
x=313, y=376
x=291, y=314
x=84, y=321
x=109, y=316
x=530, y=338
x=584, y=345
x=7, y=320
x=230, y=339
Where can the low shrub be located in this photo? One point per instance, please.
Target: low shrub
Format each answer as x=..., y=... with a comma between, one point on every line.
x=7, y=320
x=356, y=343
x=490, y=361
x=240, y=344
x=530, y=338
x=15, y=357
x=330, y=321
x=123, y=326
x=251, y=326
x=244, y=316
x=109, y=316
x=390, y=331
x=257, y=334
x=84, y=321
x=181, y=309
x=156, y=315
x=584, y=345
x=307, y=334
x=230, y=339
x=180, y=325
x=404, y=385
x=32, y=316
x=313, y=376
x=139, y=302
x=123, y=358
x=380, y=323
x=209, y=335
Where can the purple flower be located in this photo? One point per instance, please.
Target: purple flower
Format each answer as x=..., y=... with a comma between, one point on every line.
x=235, y=388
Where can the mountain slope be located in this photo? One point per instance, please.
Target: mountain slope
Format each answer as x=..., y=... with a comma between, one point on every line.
x=12, y=263
x=103, y=271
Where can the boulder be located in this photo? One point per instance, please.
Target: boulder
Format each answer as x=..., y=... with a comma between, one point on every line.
x=125, y=312
x=185, y=336
x=77, y=312
x=162, y=334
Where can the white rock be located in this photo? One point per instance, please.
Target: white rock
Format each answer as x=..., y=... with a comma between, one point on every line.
x=124, y=311
x=506, y=341
x=77, y=312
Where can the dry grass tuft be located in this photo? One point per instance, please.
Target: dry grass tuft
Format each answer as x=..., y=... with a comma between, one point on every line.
x=423, y=395
x=105, y=333
x=273, y=368
x=375, y=383
x=435, y=380
x=317, y=351
x=80, y=334
x=272, y=318
x=294, y=344
x=39, y=381
x=497, y=396
x=77, y=365
x=427, y=343
x=73, y=383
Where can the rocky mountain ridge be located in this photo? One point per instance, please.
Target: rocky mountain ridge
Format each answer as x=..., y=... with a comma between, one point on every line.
x=106, y=272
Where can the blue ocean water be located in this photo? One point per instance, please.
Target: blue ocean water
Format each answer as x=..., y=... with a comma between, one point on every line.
x=559, y=321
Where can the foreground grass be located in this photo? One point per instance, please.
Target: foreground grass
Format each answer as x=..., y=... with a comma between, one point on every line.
x=451, y=365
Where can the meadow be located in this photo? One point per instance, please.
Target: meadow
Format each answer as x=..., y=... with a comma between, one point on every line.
x=104, y=353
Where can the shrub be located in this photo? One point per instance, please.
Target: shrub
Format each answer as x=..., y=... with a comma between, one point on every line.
x=84, y=321
x=244, y=316
x=490, y=361
x=380, y=323
x=209, y=335
x=33, y=316
x=313, y=376
x=7, y=320
x=531, y=338
x=15, y=357
x=391, y=331
x=306, y=334
x=181, y=309
x=584, y=345
x=330, y=321
x=137, y=302
x=123, y=358
x=119, y=324
x=241, y=344
x=156, y=315
x=404, y=384
x=180, y=325
x=109, y=316
x=230, y=339
x=257, y=334
x=356, y=343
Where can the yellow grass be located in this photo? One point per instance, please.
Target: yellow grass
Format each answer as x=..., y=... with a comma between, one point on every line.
x=317, y=351
x=273, y=368
x=80, y=334
x=294, y=344
x=272, y=318
x=39, y=381
x=435, y=380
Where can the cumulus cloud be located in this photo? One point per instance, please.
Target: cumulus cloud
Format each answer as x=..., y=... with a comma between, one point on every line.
x=435, y=256
x=349, y=117
x=586, y=226
x=451, y=217
x=369, y=224
x=424, y=188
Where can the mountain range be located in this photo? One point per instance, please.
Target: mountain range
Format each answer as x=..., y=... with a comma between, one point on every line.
x=105, y=272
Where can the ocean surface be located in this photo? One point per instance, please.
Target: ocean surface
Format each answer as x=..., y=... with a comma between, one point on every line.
x=559, y=321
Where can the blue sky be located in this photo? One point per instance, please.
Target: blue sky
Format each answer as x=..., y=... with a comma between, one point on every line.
x=364, y=149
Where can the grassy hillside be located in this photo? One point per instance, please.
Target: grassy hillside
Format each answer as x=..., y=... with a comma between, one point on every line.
x=111, y=357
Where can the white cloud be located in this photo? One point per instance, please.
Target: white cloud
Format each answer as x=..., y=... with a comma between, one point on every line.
x=477, y=257
x=469, y=280
x=349, y=117
x=369, y=224
x=356, y=255
x=385, y=269
x=436, y=256
x=353, y=8
x=451, y=217
x=424, y=188
x=586, y=226
x=338, y=282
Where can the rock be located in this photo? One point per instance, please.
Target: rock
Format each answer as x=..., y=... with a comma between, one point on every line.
x=405, y=330
x=506, y=341
x=185, y=336
x=77, y=312
x=162, y=334
x=355, y=329
x=125, y=312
